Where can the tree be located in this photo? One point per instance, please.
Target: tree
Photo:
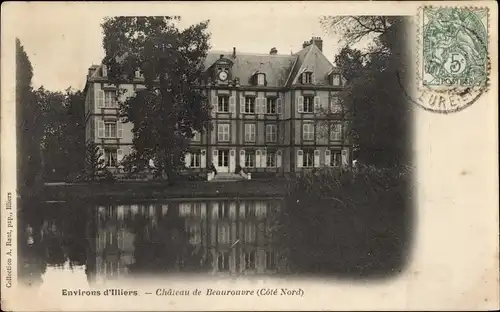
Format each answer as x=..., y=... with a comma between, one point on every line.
x=94, y=163
x=29, y=127
x=381, y=114
x=62, y=116
x=172, y=62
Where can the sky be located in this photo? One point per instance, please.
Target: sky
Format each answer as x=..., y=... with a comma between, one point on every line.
x=62, y=45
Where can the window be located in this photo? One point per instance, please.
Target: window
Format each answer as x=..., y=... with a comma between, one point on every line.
x=110, y=157
x=261, y=78
x=271, y=106
x=250, y=159
x=335, y=159
x=308, y=159
x=270, y=260
x=223, y=261
x=308, y=104
x=249, y=257
x=336, y=132
x=308, y=131
x=223, y=132
x=271, y=159
x=249, y=132
x=110, y=129
x=271, y=133
x=223, y=234
x=307, y=78
x=195, y=160
x=223, y=104
x=335, y=79
x=335, y=105
x=249, y=233
x=196, y=136
x=250, y=105
x=110, y=99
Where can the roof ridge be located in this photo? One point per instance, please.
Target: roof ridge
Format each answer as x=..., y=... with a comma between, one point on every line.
x=229, y=53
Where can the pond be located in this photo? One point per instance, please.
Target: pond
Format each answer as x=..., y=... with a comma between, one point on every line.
x=105, y=241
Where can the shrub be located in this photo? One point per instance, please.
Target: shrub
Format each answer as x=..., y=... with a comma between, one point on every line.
x=346, y=222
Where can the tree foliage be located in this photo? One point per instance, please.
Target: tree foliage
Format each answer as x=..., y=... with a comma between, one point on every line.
x=29, y=127
x=63, y=134
x=374, y=94
x=172, y=62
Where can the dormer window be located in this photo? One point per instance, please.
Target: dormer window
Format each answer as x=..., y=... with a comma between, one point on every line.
x=307, y=77
x=261, y=78
x=335, y=79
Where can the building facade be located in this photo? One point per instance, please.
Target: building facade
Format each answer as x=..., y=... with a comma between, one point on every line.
x=271, y=113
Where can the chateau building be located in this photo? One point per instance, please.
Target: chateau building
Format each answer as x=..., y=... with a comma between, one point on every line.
x=271, y=113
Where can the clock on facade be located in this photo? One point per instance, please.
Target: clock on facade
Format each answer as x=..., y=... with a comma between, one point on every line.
x=223, y=75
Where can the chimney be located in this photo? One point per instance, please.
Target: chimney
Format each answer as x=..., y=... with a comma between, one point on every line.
x=305, y=44
x=318, y=42
x=234, y=52
x=222, y=56
x=273, y=51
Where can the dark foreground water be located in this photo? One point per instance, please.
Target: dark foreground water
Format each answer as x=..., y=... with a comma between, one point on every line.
x=115, y=240
x=300, y=234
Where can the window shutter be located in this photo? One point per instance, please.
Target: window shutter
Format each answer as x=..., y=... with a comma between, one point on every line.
x=119, y=129
x=203, y=158
x=242, y=104
x=215, y=104
x=279, y=108
x=316, y=158
x=100, y=98
x=215, y=158
x=316, y=104
x=263, y=161
x=278, y=159
x=263, y=103
x=187, y=160
x=104, y=71
x=300, y=160
x=257, y=159
x=100, y=128
x=119, y=155
x=345, y=157
x=242, y=158
x=300, y=104
x=328, y=159
x=232, y=104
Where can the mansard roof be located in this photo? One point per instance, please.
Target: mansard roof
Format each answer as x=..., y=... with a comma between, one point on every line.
x=245, y=65
x=280, y=70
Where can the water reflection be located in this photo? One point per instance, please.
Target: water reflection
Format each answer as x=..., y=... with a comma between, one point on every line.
x=218, y=237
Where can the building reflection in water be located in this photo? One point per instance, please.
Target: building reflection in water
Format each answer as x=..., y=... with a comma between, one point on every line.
x=219, y=237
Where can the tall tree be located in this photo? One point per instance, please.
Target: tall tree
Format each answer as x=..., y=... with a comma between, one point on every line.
x=29, y=127
x=171, y=62
x=381, y=122
x=62, y=116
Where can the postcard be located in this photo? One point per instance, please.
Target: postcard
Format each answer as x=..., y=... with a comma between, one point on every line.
x=261, y=156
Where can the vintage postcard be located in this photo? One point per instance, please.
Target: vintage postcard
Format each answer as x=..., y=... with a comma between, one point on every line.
x=264, y=156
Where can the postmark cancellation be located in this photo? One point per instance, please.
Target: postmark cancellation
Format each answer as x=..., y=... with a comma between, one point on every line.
x=453, y=62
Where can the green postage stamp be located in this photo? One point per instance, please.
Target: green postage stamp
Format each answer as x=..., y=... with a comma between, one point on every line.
x=455, y=47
